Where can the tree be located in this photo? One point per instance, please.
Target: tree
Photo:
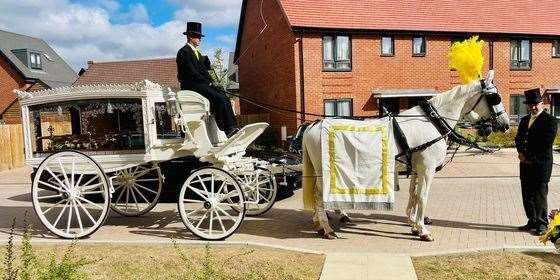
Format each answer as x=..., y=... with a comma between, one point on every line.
x=219, y=73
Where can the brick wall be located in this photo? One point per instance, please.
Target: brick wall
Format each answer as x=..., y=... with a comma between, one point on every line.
x=372, y=71
x=10, y=79
x=269, y=67
x=267, y=63
x=401, y=71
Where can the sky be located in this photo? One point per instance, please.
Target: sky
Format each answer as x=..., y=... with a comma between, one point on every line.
x=109, y=30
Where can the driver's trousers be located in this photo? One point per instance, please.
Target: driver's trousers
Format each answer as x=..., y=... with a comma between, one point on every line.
x=220, y=105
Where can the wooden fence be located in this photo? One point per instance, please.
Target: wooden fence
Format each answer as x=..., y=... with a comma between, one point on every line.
x=11, y=146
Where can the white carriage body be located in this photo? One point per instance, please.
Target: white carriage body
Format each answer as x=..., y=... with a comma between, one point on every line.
x=202, y=137
x=108, y=144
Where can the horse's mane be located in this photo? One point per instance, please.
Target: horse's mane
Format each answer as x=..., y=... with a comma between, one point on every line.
x=444, y=98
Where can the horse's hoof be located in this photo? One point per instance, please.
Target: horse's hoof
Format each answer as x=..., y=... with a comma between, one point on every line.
x=324, y=235
x=345, y=219
x=427, y=221
x=415, y=232
x=426, y=237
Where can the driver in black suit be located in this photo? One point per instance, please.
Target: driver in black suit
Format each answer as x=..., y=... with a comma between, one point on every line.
x=193, y=74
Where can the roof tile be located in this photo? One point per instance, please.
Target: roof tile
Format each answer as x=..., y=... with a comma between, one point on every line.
x=478, y=16
x=162, y=71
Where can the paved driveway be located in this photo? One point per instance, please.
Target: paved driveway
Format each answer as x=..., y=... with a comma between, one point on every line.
x=475, y=202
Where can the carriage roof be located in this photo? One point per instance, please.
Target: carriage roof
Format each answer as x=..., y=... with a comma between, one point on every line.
x=104, y=91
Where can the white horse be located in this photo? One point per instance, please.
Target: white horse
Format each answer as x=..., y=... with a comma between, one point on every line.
x=477, y=102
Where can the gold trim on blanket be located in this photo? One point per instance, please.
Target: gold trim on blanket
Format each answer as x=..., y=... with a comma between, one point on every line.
x=334, y=189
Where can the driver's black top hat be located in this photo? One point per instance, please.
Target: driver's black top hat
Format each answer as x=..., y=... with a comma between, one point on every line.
x=194, y=28
x=533, y=96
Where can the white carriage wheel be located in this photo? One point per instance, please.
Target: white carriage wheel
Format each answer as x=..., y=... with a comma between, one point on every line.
x=70, y=194
x=206, y=200
x=137, y=190
x=260, y=191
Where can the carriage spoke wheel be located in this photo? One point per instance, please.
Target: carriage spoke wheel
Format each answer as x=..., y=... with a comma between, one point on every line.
x=260, y=191
x=70, y=194
x=206, y=203
x=137, y=190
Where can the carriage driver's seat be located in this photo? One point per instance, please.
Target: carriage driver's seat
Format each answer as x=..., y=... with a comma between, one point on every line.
x=202, y=134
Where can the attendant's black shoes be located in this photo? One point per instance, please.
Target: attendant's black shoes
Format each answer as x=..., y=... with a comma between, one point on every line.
x=539, y=231
x=527, y=227
x=232, y=132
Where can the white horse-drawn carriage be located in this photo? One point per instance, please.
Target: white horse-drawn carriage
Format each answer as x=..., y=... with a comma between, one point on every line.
x=96, y=148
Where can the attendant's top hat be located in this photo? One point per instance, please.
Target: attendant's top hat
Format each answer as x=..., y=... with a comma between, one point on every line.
x=194, y=28
x=533, y=96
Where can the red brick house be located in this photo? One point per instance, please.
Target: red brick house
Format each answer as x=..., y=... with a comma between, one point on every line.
x=348, y=57
x=27, y=63
x=162, y=71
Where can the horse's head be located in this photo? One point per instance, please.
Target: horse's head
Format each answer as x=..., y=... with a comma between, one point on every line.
x=485, y=110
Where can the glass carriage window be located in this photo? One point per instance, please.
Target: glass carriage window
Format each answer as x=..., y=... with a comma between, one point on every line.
x=165, y=126
x=100, y=125
x=520, y=54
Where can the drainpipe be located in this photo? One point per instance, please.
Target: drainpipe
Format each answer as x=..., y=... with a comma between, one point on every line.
x=491, y=54
x=301, y=79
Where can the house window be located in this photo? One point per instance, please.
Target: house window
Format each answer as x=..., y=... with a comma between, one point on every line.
x=338, y=107
x=555, y=105
x=35, y=61
x=520, y=54
x=556, y=48
x=418, y=46
x=336, y=53
x=387, y=46
x=516, y=107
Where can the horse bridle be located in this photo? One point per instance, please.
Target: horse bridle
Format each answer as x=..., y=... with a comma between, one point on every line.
x=493, y=99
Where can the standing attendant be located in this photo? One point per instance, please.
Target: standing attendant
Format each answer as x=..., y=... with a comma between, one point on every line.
x=193, y=74
x=534, y=140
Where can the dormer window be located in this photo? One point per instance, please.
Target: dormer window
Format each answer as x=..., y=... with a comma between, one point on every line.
x=35, y=61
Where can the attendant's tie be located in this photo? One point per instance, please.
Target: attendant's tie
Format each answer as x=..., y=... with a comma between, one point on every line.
x=532, y=119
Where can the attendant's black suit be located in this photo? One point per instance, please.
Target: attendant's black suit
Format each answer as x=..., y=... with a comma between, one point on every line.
x=535, y=143
x=193, y=75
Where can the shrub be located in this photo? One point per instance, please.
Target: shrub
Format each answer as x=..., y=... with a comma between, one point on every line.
x=31, y=267
x=502, y=139
x=9, y=270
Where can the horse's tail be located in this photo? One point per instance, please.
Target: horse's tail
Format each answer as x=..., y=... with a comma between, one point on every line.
x=309, y=176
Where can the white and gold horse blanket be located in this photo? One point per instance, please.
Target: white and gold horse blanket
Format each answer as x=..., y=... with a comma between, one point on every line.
x=358, y=163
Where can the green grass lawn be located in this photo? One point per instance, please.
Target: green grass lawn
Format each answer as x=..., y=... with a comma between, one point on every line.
x=149, y=262
x=491, y=265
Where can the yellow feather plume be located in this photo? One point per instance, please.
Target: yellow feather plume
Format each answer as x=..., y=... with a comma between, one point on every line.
x=466, y=57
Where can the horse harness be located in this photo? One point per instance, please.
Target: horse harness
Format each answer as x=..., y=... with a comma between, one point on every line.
x=442, y=127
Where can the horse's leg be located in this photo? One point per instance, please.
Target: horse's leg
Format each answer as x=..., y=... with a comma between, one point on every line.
x=344, y=218
x=425, y=178
x=412, y=206
x=320, y=219
x=396, y=180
